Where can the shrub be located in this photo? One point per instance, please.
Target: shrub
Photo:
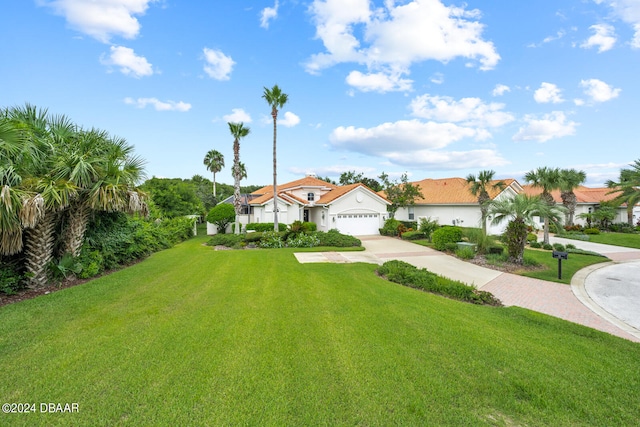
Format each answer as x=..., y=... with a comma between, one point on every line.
x=222, y=215
x=450, y=247
x=465, y=253
x=252, y=237
x=477, y=236
x=536, y=245
x=11, y=278
x=444, y=235
x=547, y=246
x=495, y=250
x=271, y=239
x=428, y=226
x=570, y=246
x=409, y=275
x=558, y=247
x=265, y=226
x=335, y=238
x=303, y=241
x=591, y=231
x=410, y=225
x=413, y=235
x=390, y=227
x=532, y=237
x=228, y=240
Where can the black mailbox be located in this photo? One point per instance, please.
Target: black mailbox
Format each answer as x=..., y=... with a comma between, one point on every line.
x=560, y=255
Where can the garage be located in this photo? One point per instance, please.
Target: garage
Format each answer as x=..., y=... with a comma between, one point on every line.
x=358, y=224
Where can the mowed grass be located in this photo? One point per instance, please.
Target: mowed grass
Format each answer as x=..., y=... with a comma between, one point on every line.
x=617, y=239
x=570, y=266
x=194, y=336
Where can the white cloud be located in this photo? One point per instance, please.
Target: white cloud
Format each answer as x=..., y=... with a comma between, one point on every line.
x=378, y=82
x=548, y=92
x=604, y=38
x=129, y=63
x=101, y=19
x=550, y=126
x=237, y=115
x=437, y=78
x=289, y=120
x=268, y=14
x=218, y=65
x=500, y=90
x=468, y=111
x=389, y=40
x=629, y=12
x=158, y=105
x=598, y=90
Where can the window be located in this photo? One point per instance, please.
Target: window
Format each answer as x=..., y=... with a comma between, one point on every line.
x=310, y=197
x=411, y=213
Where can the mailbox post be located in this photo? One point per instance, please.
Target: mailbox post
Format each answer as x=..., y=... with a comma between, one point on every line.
x=560, y=256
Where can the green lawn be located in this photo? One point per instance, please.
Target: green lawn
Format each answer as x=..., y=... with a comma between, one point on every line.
x=617, y=239
x=194, y=336
x=570, y=266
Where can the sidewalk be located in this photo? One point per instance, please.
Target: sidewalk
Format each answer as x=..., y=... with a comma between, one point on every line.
x=551, y=298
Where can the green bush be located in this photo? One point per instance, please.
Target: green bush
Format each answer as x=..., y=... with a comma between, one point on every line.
x=536, y=245
x=252, y=237
x=265, y=226
x=444, y=235
x=495, y=250
x=222, y=215
x=558, y=247
x=335, y=238
x=228, y=240
x=591, y=231
x=391, y=227
x=271, y=239
x=11, y=278
x=547, y=247
x=570, y=246
x=413, y=235
x=428, y=226
x=465, y=253
x=303, y=241
x=450, y=247
x=409, y=275
x=531, y=237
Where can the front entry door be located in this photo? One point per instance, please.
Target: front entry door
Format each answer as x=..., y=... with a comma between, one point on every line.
x=305, y=215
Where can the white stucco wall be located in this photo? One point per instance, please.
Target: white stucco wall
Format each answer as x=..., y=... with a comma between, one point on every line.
x=358, y=201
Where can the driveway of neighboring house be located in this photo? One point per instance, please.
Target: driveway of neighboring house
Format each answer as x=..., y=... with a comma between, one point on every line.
x=572, y=303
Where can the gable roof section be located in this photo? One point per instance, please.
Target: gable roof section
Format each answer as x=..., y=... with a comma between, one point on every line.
x=583, y=194
x=338, y=192
x=307, y=181
x=455, y=191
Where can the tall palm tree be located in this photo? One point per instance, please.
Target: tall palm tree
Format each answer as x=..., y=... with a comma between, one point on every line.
x=627, y=188
x=276, y=100
x=570, y=179
x=479, y=186
x=214, y=161
x=238, y=131
x=520, y=211
x=547, y=179
x=243, y=171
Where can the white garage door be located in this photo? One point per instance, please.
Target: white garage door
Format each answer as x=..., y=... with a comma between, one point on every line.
x=358, y=224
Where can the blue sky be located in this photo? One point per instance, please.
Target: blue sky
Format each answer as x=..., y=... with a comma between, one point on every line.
x=433, y=88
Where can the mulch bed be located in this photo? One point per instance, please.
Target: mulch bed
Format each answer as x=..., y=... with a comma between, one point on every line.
x=505, y=267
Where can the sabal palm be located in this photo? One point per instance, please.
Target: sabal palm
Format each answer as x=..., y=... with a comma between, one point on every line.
x=478, y=186
x=276, y=100
x=238, y=131
x=546, y=179
x=520, y=211
x=570, y=179
x=214, y=161
x=627, y=189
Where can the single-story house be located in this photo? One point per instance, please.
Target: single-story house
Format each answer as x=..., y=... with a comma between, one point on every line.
x=450, y=202
x=588, y=201
x=351, y=209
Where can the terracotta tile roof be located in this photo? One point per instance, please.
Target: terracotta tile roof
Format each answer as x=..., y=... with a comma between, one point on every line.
x=583, y=194
x=307, y=181
x=338, y=192
x=452, y=191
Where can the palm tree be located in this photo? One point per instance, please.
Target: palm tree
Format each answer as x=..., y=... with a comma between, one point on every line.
x=276, y=99
x=238, y=131
x=547, y=179
x=214, y=161
x=570, y=179
x=628, y=188
x=243, y=171
x=520, y=211
x=478, y=187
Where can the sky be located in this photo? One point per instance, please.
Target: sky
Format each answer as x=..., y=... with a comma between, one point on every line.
x=431, y=88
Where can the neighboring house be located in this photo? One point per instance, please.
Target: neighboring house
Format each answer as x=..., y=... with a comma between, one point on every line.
x=450, y=202
x=589, y=199
x=351, y=209
x=245, y=213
